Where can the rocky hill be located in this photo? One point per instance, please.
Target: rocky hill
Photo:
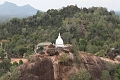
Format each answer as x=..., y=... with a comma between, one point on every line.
x=53, y=68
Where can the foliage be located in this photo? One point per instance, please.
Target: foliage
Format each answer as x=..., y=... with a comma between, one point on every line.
x=75, y=49
x=28, y=53
x=110, y=66
x=105, y=75
x=2, y=54
x=15, y=63
x=21, y=50
x=95, y=29
x=117, y=72
x=5, y=66
x=63, y=59
x=82, y=44
x=20, y=62
x=82, y=75
x=101, y=53
x=13, y=74
x=39, y=49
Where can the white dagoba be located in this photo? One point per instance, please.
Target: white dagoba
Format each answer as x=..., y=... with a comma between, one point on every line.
x=59, y=42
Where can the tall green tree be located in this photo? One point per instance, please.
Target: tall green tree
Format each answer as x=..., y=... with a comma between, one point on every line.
x=82, y=44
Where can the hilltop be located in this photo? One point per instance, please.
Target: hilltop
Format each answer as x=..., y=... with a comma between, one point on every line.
x=95, y=29
x=93, y=33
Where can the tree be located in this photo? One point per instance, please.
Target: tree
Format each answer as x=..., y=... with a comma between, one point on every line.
x=105, y=75
x=21, y=50
x=82, y=44
x=13, y=74
x=95, y=25
x=76, y=51
x=16, y=37
x=117, y=72
x=5, y=66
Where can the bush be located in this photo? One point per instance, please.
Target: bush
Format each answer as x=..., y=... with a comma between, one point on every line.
x=63, y=59
x=105, y=75
x=101, y=53
x=13, y=74
x=40, y=49
x=15, y=63
x=5, y=66
x=20, y=62
x=117, y=73
x=82, y=75
x=75, y=49
x=28, y=53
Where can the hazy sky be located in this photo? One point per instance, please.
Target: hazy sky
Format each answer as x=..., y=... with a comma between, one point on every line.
x=44, y=5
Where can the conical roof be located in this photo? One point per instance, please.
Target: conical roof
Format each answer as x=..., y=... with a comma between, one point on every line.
x=59, y=41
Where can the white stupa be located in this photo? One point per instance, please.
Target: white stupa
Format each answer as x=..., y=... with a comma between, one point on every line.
x=59, y=42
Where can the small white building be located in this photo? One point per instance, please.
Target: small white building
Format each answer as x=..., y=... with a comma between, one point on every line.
x=42, y=44
x=59, y=42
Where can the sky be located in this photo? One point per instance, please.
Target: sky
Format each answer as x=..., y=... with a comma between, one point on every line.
x=44, y=5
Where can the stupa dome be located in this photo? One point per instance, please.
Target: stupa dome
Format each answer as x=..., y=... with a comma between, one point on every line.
x=59, y=42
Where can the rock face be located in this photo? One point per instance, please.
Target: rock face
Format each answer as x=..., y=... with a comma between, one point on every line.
x=63, y=70
x=93, y=64
x=39, y=70
x=52, y=52
x=63, y=67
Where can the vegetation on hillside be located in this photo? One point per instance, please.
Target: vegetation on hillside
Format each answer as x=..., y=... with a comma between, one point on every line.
x=94, y=30
x=82, y=75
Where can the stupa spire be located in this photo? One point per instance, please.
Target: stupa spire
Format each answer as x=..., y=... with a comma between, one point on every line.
x=59, y=35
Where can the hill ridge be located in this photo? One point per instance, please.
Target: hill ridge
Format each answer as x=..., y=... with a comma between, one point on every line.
x=8, y=8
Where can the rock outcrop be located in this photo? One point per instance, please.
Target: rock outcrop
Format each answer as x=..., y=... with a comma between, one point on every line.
x=41, y=69
x=63, y=67
x=95, y=65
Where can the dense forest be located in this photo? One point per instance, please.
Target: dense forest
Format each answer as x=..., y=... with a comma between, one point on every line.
x=95, y=29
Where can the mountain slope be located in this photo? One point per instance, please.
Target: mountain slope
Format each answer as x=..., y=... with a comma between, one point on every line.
x=8, y=8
